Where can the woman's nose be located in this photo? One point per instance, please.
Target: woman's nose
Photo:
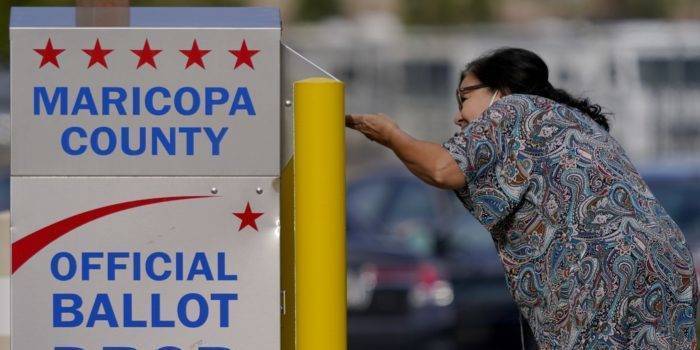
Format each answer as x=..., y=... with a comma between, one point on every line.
x=457, y=119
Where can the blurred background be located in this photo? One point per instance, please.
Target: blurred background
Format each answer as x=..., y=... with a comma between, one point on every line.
x=422, y=274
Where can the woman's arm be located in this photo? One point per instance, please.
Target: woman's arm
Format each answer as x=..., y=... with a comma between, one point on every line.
x=427, y=160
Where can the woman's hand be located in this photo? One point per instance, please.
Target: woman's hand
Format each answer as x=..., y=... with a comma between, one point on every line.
x=429, y=161
x=376, y=127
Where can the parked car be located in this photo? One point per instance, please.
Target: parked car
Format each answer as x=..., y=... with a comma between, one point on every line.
x=431, y=225
x=397, y=299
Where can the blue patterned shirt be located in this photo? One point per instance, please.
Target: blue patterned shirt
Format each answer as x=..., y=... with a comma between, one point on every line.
x=591, y=257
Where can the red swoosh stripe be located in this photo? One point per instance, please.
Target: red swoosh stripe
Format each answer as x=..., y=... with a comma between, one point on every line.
x=26, y=247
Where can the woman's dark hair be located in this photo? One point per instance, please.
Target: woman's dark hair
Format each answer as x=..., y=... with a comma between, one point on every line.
x=519, y=71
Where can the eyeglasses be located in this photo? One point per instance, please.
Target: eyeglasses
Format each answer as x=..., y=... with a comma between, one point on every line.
x=464, y=90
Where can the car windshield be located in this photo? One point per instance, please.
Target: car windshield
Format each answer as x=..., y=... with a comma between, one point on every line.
x=415, y=211
x=410, y=218
x=366, y=200
x=406, y=215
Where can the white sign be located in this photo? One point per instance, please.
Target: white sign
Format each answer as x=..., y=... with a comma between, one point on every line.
x=145, y=263
x=144, y=196
x=146, y=101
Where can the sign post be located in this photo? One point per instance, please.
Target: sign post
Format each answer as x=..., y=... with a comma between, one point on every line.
x=320, y=239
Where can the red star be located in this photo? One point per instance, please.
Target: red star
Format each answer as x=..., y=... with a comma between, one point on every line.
x=146, y=55
x=244, y=56
x=194, y=55
x=49, y=54
x=97, y=54
x=248, y=218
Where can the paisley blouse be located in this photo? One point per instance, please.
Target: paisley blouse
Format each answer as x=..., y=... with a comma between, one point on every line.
x=591, y=257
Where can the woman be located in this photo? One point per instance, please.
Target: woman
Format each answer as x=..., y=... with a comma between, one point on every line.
x=591, y=258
